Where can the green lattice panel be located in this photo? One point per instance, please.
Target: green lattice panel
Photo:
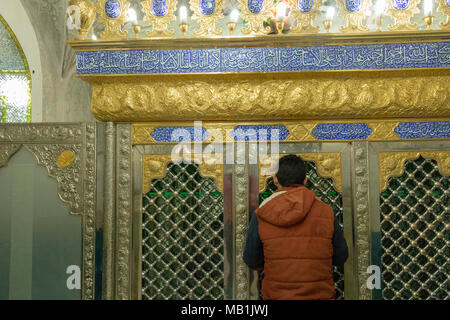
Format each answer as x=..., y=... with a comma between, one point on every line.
x=415, y=217
x=324, y=189
x=182, y=237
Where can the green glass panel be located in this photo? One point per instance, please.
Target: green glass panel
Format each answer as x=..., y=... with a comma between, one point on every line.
x=182, y=234
x=413, y=218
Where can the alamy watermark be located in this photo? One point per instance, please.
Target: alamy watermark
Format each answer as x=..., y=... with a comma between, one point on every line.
x=197, y=148
x=73, y=17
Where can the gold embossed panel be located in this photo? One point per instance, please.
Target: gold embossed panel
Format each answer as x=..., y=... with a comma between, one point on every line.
x=345, y=95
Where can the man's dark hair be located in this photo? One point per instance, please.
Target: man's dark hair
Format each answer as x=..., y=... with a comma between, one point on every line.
x=291, y=170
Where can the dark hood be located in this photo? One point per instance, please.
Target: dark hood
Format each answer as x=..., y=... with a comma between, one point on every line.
x=288, y=208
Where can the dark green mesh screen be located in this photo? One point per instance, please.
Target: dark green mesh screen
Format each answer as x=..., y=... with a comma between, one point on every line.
x=324, y=189
x=415, y=215
x=182, y=237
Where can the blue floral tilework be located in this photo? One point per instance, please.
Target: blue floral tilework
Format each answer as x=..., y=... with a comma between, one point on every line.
x=400, y=4
x=353, y=5
x=260, y=133
x=255, y=6
x=342, y=131
x=305, y=5
x=159, y=7
x=178, y=134
x=267, y=59
x=423, y=130
x=207, y=7
x=112, y=8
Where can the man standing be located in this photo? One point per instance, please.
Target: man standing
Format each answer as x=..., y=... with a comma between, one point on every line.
x=295, y=238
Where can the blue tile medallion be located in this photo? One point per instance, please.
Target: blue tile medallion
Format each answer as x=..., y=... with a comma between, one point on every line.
x=256, y=6
x=353, y=5
x=423, y=130
x=112, y=9
x=306, y=5
x=207, y=7
x=342, y=131
x=400, y=4
x=179, y=134
x=260, y=133
x=159, y=7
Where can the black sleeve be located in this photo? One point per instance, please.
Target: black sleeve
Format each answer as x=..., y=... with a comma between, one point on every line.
x=253, y=252
x=340, y=249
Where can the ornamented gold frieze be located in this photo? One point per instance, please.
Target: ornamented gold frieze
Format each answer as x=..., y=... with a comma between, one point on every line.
x=255, y=21
x=391, y=164
x=160, y=23
x=329, y=165
x=402, y=17
x=383, y=130
x=305, y=19
x=154, y=166
x=354, y=19
x=371, y=95
x=207, y=22
x=113, y=15
x=87, y=16
x=444, y=7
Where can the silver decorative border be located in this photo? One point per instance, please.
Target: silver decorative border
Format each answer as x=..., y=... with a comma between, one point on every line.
x=123, y=232
x=362, y=218
x=241, y=218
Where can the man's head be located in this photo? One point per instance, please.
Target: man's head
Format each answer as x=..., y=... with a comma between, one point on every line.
x=291, y=170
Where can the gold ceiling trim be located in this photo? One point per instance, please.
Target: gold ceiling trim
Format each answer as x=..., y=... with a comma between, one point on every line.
x=277, y=96
x=391, y=164
x=329, y=165
x=304, y=39
x=154, y=166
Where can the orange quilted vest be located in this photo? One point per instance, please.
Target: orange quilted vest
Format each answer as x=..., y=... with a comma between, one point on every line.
x=296, y=230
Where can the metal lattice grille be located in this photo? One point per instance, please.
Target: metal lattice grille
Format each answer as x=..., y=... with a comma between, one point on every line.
x=182, y=237
x=324, y=189
x=415, y=216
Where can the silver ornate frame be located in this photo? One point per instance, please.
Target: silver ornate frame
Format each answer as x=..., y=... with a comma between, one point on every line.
x=77, y=183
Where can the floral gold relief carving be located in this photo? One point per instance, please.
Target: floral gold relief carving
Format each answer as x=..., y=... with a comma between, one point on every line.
x=402, y=16
x=161, y=20
x=444, y=7
x=173, y=99
x=113, y=15
x=354, y=18
x=304, y=20
x=391, y=164
x=155, y=166
x=207, y=22
x=255, y=21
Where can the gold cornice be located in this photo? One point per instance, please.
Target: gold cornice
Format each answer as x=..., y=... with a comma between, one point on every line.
x=329, y=165
x=348, y=95
x=287, y=40
x=391, y=164
x=154, y=166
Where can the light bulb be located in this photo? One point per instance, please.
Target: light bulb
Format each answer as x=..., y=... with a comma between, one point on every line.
x=427, y=7
x=380, y=7
x=330, y=13
x=183, y=14
x=132, y=17
x=281, y=11
x=234, y=15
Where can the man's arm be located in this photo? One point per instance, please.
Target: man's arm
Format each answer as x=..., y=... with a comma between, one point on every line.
x=254, y=252
x=340, y=249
